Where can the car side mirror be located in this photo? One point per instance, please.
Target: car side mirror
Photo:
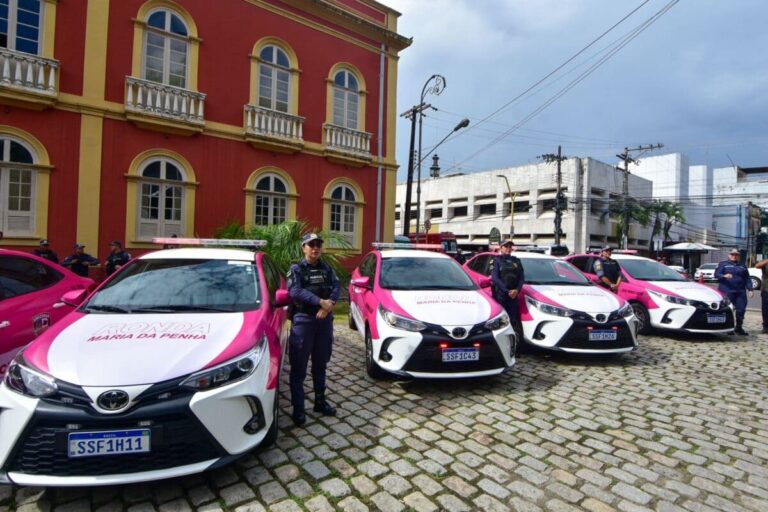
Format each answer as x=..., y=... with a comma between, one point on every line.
x=282, y=298
x=484, y=282
x=74, y=298
x=362, y=282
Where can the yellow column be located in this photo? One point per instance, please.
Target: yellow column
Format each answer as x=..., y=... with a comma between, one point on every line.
x=91, y=123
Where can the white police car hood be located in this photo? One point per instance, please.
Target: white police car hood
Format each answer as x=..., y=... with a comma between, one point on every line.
x=687, y=289
x=445, y=307
x=589, y=299
x=107, y=349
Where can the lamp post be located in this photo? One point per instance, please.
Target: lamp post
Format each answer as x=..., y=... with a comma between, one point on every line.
x=438, y=84
x=512, y=204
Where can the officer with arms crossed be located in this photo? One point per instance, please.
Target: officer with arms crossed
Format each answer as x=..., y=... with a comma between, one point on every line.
x=117, y=257
x=608, y=270
x=79, y=261
x=508, y=278
x=734, y=283
x=45, y=252
x=314, y=288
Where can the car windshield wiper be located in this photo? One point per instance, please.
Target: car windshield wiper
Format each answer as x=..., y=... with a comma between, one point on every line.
x=107, y=308
x=441, y=287
x=188, y=307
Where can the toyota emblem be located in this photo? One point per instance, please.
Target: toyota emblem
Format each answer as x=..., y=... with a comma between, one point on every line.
x=601, y=318
x=714, y=305
x=113, y=400
x=459, y=333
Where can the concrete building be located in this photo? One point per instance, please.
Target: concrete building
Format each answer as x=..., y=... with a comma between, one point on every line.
x=470, y=205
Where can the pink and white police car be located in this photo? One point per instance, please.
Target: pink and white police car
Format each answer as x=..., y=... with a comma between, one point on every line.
x=562, y=310
x=170, y=368
x=420, y=315
x=30, y=299
x=662, y=298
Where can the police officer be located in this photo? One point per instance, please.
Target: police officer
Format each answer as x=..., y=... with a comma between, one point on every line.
x=763, y=267
x=45, y=252
x=507, y=277
x=314, y=288
x=117, y=257
x=80, y=261
x=608, y=270
x=734, y=283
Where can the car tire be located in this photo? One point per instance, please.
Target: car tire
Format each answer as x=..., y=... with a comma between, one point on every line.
x=271, y=436
x=643, y=318
x=756, y=282
x=373, y=370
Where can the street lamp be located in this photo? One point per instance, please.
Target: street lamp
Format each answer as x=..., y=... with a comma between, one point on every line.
x=512, y=204
x=438, y=84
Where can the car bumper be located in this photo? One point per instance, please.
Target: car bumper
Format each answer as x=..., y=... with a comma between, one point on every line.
x=567, y=334
x=190, y=432
x=691, y=319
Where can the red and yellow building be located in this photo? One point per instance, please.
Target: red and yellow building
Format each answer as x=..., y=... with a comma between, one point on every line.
x=128, y=119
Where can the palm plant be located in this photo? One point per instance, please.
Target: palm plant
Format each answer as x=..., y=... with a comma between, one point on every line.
x=673, y=212
x=284, y=243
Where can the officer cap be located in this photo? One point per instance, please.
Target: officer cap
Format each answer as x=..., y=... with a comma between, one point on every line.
x=116, y=242
x=735, y=251
x=79, y=246
x=310, y=237
x=43, y=242
x=506, y=241
x=607, y=248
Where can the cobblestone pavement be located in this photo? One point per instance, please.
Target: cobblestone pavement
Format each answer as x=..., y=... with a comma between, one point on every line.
x=681, y=424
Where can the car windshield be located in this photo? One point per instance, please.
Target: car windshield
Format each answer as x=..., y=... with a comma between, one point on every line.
x=546, y=271
x=174, y=285
x=647, y=270
x=408, y=273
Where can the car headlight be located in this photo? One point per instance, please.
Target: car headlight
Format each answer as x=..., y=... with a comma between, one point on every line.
x=625, y=311
x=499, y=322
x=26, y=381
x=671, y=298
x=229, y=372
x=548, y=308
x=400, y=322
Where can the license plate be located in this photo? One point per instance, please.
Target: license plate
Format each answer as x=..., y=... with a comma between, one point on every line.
x=715, y=319
x=603, y=335
x=119, y=442
x=452, y=355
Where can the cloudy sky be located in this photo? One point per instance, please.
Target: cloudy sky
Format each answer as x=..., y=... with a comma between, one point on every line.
x=695, y=80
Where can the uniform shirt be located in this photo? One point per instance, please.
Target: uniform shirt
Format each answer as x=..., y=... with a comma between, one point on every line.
x=297, y=290
x=607, y=268
x=116, y=258
x=499, y=284
x=740, y=280
x=47, y=254
x=75, y=263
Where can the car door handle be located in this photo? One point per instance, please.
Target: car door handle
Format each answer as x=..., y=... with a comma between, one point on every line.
x=5, y=323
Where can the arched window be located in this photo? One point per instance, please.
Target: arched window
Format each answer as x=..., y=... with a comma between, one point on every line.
x=274, y=79
x=161, y=199
x=20, y=25
x=166, y=48
x=344, y=212
x=17, y=188
x=271, y=201
x=346, y=99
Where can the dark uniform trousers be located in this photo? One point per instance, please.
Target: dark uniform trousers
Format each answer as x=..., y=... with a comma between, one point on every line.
x=310, y=338
x=739, y=300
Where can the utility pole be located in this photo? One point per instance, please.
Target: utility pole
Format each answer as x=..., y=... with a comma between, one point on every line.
x=411, y=114
x=625, y=201
x=559, y=196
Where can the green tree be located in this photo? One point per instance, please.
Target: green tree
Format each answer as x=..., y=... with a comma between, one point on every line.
x=638, y=212
x=673, y=213
x=284, y=243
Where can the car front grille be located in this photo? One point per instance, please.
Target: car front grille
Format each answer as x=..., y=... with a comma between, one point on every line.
x=577, y=337
x=427, y=358
x=698, y=320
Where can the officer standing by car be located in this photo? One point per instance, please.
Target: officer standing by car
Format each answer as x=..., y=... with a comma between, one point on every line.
x=80, y=261
x=314, y=288
x=45, y=252
x=117, y=257
x=608, y=270
x=763, y=267
x=734, y=281
x=508, y=277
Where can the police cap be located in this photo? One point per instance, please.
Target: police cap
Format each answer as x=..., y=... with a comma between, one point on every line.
x=79, y=246
x=607, y=248
x=310, y=237
x=43, y=242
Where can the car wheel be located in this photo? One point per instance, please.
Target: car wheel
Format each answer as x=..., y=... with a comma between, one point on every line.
x=643, y=318
x=374, y=370
x=271, y=436
x=756, y=282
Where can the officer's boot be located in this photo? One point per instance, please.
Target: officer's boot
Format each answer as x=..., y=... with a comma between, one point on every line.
x=322, y=406
x=739, y=329
x=298, y=416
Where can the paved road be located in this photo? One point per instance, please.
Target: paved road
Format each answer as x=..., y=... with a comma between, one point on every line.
x=679, y=425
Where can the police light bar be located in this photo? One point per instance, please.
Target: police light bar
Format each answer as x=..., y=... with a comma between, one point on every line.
x=207, y=242
x=399, y=245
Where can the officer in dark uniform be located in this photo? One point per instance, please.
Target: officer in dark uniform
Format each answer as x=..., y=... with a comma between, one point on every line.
x=734, y=283
x=508, y=277
x=117, y=257
x=314, y=288
x=80, y=261
x=45, y=252
x=608, y=270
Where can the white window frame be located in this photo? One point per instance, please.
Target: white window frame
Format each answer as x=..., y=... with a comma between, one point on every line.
x=275, y=71
x=167, y=36
x=272, y=198
x=343, y=103
x=163, y=227
x=13, y=16
x=6, y=166
x=341, y=211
